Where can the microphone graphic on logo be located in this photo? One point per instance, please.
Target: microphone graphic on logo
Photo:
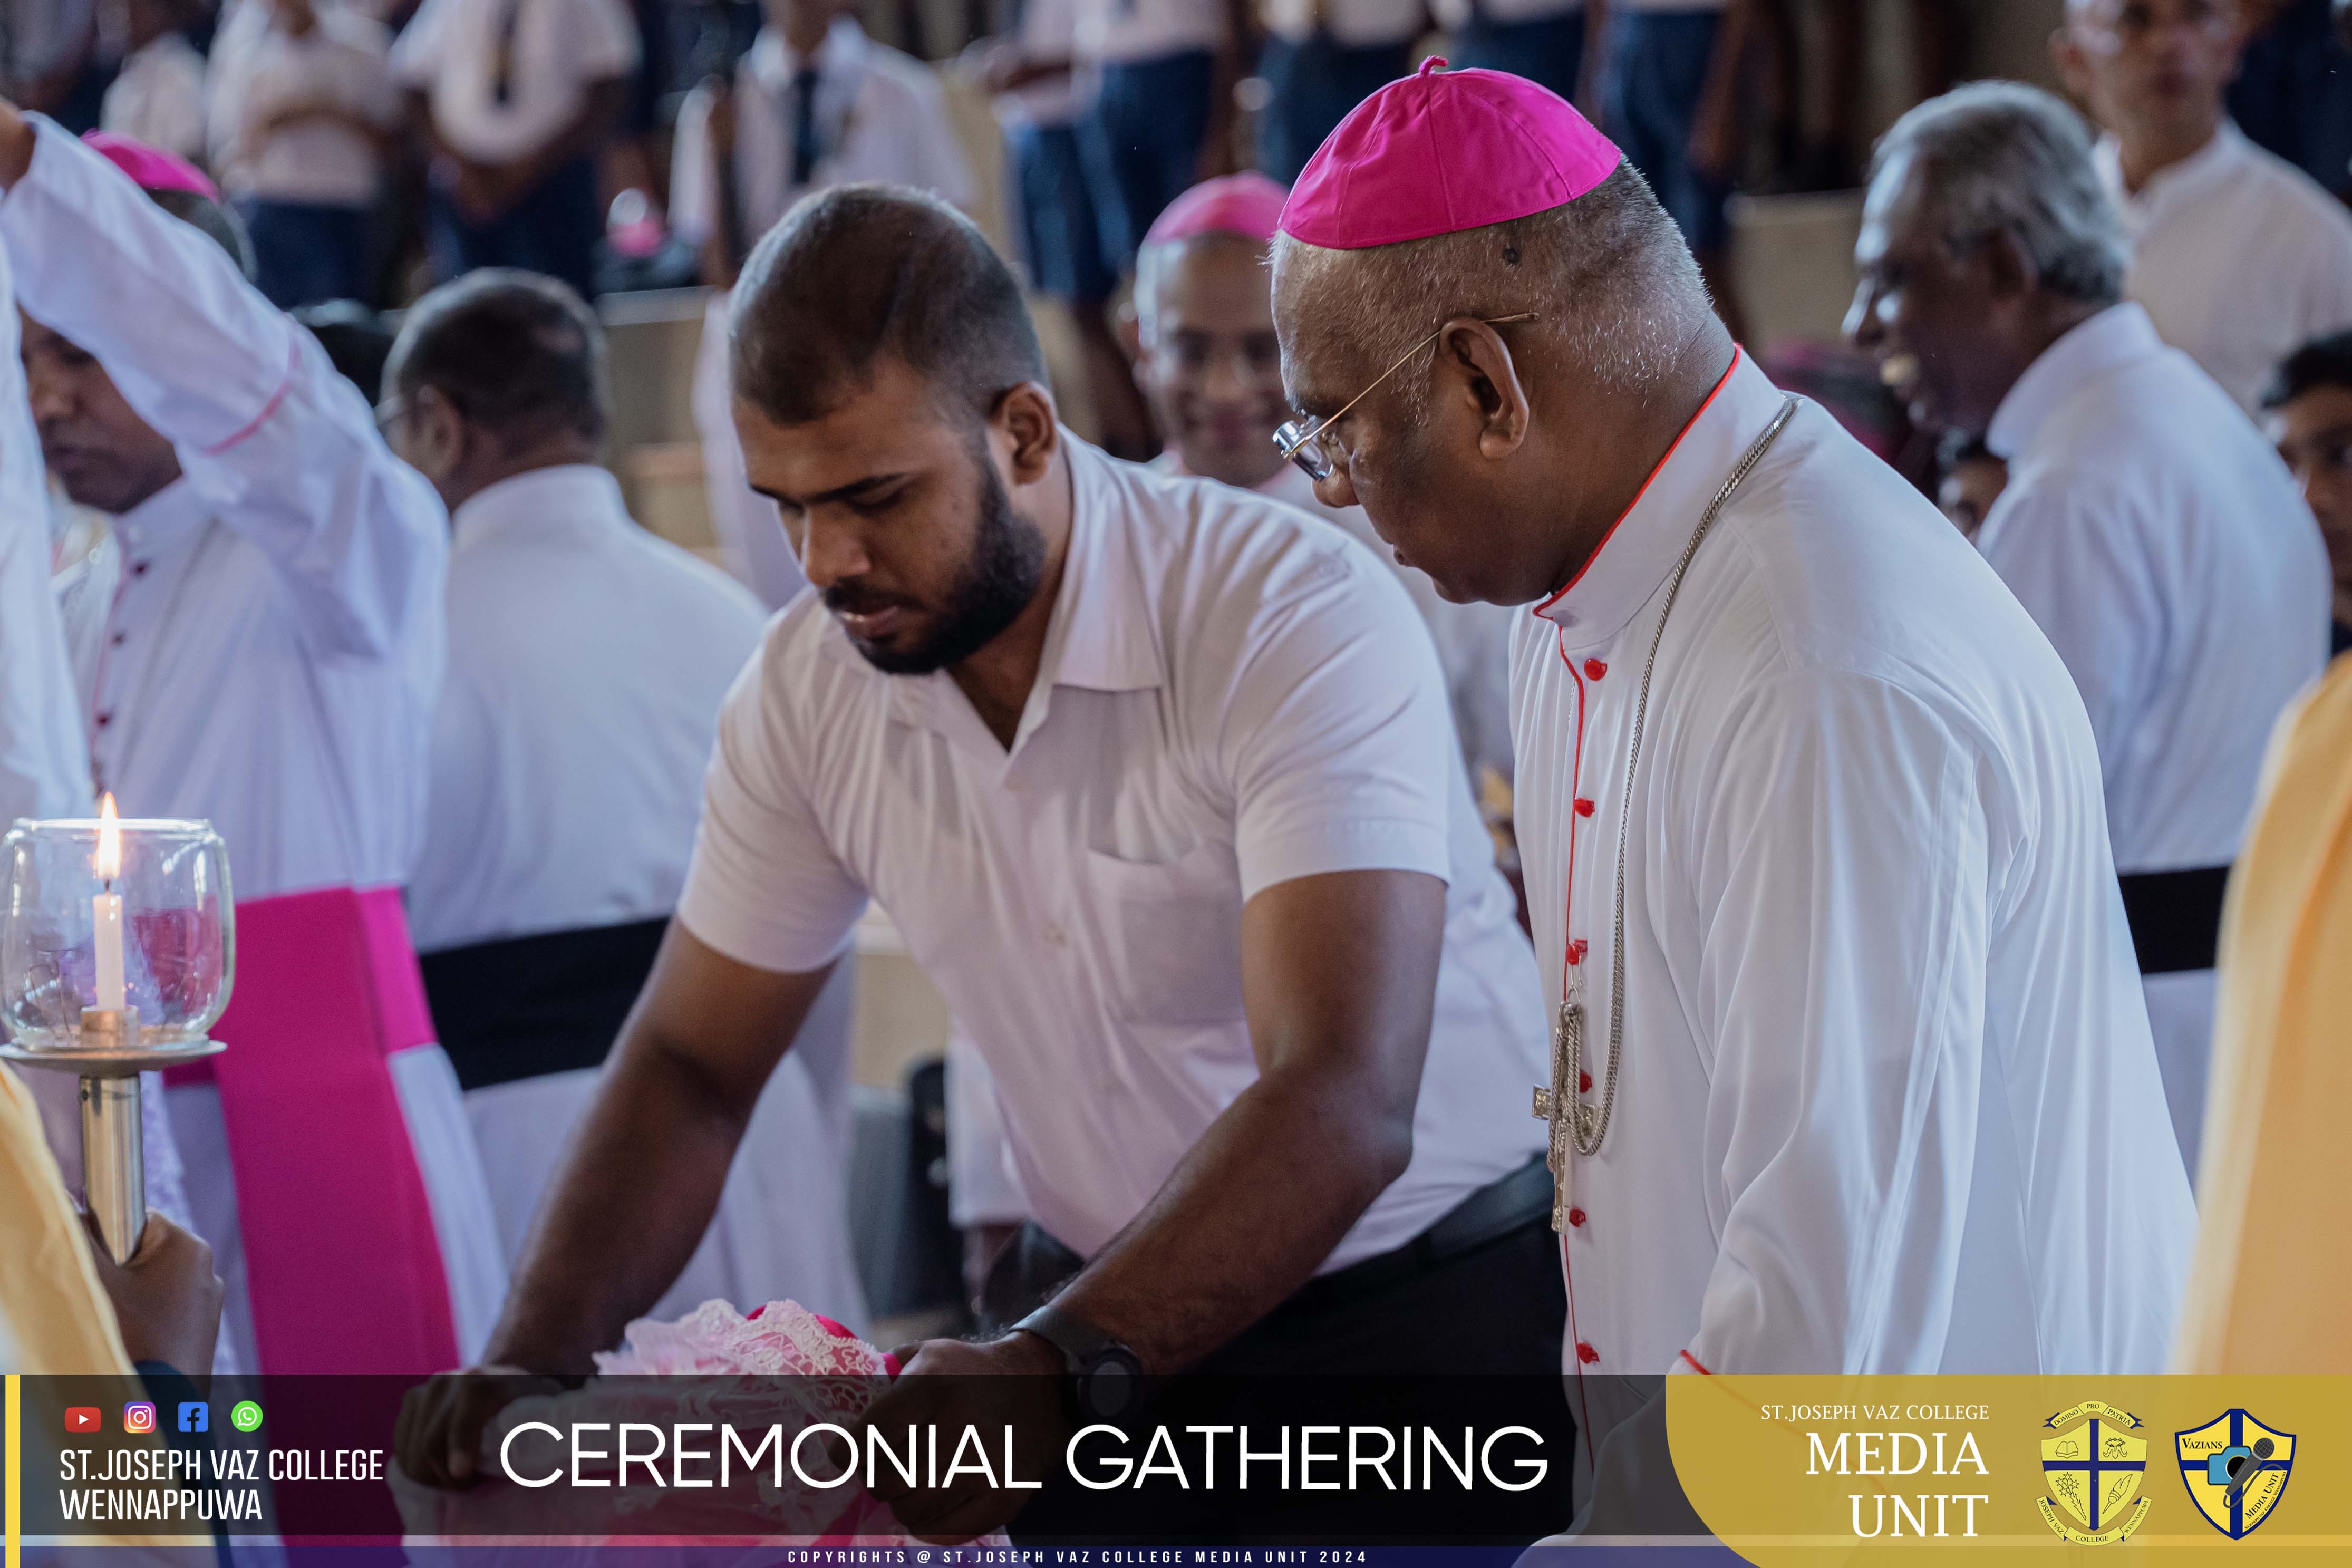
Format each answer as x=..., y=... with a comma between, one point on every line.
x=2243, y=1467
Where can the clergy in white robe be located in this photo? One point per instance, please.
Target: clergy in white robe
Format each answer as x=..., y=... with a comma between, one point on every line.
x=2238, y=256
x=2154, y=535
x=587, y=663
x=1809, y=810
x=273, y=649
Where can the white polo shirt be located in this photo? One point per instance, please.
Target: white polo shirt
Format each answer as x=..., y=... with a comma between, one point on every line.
x=259, y=67
x=559, y=48
x=2239, y=256
x=1231, y=695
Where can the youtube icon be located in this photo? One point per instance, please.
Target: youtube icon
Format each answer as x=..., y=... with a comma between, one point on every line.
x=84, y=1418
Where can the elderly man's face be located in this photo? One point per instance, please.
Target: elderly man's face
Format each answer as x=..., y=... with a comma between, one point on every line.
x=93, y=441
x=2313, y=432
x=1931, y=310
x=1207, y=359
x=2150, y=66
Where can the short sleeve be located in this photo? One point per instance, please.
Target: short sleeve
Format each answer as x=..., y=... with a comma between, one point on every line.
x=764, y=887
x=1335, y=737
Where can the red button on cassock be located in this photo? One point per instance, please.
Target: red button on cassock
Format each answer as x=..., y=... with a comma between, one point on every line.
x=1576, y=1217
x=1584, y=1083
x=1583, y=807
x=1594, y=669
x=1586, y=1354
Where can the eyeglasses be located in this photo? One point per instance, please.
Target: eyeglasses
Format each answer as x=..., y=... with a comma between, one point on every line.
x=1301, y=441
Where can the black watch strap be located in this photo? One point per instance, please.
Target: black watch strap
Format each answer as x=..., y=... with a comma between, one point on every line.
x=1106, y=1377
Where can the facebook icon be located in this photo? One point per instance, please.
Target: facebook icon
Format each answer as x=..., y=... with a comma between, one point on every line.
x=196, y=1416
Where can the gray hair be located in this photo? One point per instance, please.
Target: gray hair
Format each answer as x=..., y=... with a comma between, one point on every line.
x=2000, y=157
x=1614, y=288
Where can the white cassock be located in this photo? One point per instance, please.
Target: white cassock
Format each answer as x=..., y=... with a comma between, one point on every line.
x=587, y=663
x=2239, y=256
x=1886, y=1101
x=2161, y=545
x=275, y=637
x=879, y=115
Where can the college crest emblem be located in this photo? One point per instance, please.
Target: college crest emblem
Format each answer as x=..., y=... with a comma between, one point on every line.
x=2235, y=1468
x=2092, y=1463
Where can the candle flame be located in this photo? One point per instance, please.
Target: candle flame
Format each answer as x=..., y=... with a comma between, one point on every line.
x=108, y=864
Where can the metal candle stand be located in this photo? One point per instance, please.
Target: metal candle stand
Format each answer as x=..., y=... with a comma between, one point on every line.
x=108, y=1061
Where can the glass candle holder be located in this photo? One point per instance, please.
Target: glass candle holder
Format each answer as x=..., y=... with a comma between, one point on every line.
x=162, y=887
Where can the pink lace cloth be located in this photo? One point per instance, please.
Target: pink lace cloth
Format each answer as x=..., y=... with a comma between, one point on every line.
x=783, y=1365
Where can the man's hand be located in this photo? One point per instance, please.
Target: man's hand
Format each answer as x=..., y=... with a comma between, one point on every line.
x=167, y=1299
x=438, y=1438
x=16, y=143
x=1011, y=1382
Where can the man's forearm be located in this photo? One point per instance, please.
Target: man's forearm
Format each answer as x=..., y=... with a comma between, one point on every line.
x=1246, y=1217
x=629, y=1205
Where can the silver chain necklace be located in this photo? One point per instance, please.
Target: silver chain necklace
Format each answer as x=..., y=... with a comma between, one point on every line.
x=1574, y=1121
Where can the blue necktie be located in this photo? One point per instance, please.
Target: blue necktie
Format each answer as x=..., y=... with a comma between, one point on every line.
x=804, y=147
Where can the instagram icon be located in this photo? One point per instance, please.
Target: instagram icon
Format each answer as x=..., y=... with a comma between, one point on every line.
x=139, y=1416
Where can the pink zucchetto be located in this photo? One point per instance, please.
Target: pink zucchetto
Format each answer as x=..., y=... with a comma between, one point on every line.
x=151, y=168
x=1246, y=206
x=1443, y=150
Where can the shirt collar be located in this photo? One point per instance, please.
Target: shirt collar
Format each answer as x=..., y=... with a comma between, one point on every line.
x=2116, y=336
x=773, y=61
x=1641, y=546
x=2174, y=183
x=542, y=504
x=161, y=520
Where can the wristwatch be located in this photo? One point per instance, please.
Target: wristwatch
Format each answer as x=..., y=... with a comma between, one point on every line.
x=1106, y=1378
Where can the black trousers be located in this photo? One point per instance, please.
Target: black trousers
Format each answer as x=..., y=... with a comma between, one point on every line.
x=1500, y=1308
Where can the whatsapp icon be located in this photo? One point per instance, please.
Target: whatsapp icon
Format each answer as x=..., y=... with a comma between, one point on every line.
x=244, y=1415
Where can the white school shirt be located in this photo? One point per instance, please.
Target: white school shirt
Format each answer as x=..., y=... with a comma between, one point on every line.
x=1454, y=15
x=2239, y=256
x=880, y=115
x=1886, y=1101
x=1352, y=24
x=276, y=634
x=43, y=765
x=2162, y=546
x=561, y=47
x=587, y=661
x=158, y=98
x=258, y=67
x=1474, y=641
x=1231, y=696
x=1132, y=32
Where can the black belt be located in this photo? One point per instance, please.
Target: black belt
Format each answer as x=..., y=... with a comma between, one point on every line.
x=2176, y=917
x=1491, y=1212
x=530, y=1005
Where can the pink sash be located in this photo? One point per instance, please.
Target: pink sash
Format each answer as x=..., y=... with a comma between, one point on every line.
x=342, y=1264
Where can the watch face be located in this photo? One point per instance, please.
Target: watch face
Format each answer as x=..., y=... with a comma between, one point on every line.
x=1111, y=1385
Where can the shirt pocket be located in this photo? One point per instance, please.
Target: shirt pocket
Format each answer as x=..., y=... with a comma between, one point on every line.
x=1172, y=935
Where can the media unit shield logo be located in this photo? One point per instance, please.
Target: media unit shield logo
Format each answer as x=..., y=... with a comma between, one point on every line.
x=2235, y=1469
x=2093, y=1464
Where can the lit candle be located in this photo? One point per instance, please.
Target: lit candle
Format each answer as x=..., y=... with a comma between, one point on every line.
x=106, y=909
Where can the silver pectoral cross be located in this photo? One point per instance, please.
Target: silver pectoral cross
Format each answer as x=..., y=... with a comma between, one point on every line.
x=1560, y=1104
